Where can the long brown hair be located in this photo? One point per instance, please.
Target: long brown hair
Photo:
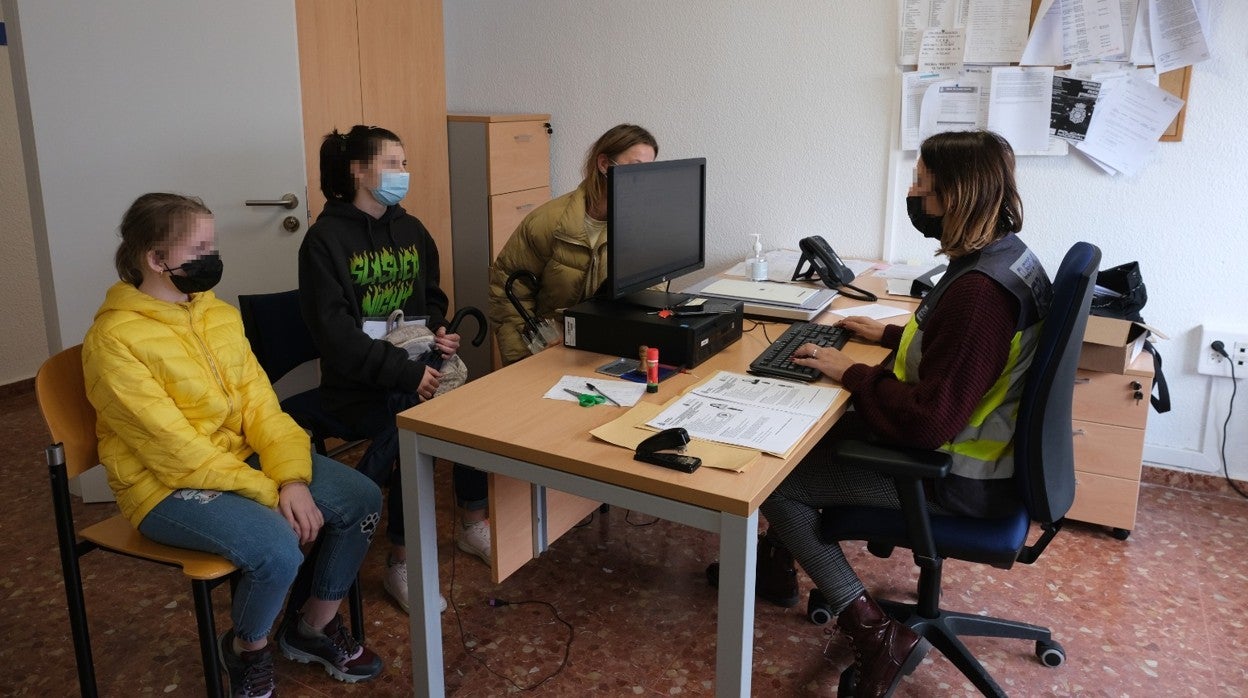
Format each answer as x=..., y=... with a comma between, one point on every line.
x=612, y=144
x=973, y=175
x=152, y=220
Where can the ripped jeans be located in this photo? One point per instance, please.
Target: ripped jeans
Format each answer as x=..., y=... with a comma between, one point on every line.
x=261, y=543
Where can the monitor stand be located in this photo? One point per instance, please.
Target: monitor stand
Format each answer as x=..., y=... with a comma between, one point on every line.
x=655, y=300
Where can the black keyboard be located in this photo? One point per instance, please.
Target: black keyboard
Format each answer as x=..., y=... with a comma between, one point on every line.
x=776, y=359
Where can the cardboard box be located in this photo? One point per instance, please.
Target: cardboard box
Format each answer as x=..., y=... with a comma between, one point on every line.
x=1110, y=345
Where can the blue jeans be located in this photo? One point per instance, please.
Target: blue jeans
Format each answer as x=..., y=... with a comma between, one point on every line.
x=261, y=543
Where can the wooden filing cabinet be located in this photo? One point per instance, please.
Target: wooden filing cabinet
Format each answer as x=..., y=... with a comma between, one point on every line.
x=1108, y=423
x=500, y=172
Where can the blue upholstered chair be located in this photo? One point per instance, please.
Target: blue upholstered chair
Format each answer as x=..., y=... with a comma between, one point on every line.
x=1044, y=471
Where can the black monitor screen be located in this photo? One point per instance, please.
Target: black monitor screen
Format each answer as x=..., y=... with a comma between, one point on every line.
x=656, y=215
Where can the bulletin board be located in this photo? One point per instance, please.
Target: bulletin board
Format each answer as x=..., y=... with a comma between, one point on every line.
x=1176, y=82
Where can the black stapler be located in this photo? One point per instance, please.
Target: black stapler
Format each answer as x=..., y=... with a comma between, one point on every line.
x=674, y=439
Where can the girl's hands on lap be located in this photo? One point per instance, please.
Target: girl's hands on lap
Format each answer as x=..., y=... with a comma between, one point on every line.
x=295, y=503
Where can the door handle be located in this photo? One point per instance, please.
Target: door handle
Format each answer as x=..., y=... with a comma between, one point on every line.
x=288, y=201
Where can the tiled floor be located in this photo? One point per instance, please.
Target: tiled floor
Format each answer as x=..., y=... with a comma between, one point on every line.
x=1160, y=614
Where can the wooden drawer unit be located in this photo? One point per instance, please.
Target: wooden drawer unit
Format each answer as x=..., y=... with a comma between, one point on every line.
x=500, y=172
x=1108, y=425
x=519, y=153
x=507, y=210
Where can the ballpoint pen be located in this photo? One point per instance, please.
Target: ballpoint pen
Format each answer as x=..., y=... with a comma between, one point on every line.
x=608, y=397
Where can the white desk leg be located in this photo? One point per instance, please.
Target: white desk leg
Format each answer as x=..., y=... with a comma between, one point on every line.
x=734, y=660
x=422, y=567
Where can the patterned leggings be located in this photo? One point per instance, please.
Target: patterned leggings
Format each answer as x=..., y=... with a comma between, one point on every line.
x=793, y=511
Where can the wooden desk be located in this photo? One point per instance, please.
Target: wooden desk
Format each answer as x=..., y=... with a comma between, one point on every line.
x=501, y=424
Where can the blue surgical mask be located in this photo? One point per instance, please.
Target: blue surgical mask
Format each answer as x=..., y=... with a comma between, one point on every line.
x=392, y=189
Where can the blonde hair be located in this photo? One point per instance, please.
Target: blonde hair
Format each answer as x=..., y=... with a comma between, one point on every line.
x=152, y=220
x=973, y=175
x=612, y=144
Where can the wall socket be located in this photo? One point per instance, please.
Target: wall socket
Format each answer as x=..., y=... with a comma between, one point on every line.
x=1211, y=363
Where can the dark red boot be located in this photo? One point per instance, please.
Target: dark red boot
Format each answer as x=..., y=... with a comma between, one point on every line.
x=884, y=650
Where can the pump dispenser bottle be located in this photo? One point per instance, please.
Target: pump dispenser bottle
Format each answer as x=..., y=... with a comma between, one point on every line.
x=756, y=266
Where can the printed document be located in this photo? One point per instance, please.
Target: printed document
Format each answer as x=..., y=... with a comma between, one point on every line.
x=767, y=414
x=1177, y=35
x=1129, y=120
x=996, y=31
x=1021, y=99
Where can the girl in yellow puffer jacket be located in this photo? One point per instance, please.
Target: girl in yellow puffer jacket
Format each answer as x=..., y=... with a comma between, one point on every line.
x=201, y=456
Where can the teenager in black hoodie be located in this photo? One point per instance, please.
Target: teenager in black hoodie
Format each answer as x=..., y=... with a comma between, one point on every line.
x=363, y=258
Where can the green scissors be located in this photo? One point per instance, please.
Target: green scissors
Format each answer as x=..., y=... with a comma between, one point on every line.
x=585, y=399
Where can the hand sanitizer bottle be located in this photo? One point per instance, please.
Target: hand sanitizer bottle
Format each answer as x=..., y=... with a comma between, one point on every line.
x=756, y=266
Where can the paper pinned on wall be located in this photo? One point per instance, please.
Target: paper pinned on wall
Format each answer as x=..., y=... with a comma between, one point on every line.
x=1129, y=119
x=1019, y=106
x=1178, y=37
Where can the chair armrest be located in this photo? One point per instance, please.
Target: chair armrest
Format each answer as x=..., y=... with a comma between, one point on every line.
x=897, y=461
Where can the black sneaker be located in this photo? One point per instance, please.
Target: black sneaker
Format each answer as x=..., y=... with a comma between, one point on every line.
x=342, y=656
x=250, y=673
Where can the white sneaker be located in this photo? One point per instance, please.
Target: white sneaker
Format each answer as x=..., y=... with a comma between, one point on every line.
x=396, y=585
x=475, y=540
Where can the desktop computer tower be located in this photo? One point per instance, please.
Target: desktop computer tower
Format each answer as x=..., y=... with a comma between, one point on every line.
x=616, y=328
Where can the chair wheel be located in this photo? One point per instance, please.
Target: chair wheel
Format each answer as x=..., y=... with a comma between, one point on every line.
x=1050, y=653
x=817, y=608
x=1120, y=533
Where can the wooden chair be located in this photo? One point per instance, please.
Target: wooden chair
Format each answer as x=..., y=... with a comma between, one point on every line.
x=70, y=417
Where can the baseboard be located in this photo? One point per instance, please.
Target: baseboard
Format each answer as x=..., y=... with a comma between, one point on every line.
x=19, y=389
x=1189, y=481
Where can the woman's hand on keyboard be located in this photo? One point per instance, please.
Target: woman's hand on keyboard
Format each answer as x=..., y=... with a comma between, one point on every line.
x=864, y=328
x=831, y=362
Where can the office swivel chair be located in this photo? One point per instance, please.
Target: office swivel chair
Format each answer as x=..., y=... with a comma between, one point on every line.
x=281, y=342
x=70, y=417
x=1044, y=472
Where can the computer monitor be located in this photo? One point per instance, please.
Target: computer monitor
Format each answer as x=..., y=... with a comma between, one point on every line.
x=656, y=223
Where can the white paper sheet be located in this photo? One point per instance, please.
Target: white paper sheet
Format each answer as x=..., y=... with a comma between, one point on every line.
x=627, y=393
x=913, y=87
x=1044, y=46
x=940, y=51
x=1091, y=29
x=1020, y=103
x=875, y=311
x=1176, y=33
x=767, y=414
x=917, y=15
x=1127, y=123
x=951, y=105
x=996, y=31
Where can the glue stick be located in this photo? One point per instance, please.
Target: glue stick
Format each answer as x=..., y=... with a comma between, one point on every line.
x=652, y=370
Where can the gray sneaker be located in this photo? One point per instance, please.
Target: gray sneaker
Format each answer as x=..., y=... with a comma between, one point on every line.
x=250, y=673
x=336, y=649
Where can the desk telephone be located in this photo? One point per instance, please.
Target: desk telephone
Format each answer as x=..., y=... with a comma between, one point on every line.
x=820, y=260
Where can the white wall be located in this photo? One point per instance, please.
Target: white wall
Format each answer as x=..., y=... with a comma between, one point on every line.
x=793, y=105
x=23, y=344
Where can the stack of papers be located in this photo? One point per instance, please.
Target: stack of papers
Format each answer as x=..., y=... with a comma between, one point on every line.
x=767, y=414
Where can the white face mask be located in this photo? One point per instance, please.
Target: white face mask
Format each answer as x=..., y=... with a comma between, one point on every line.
x=392, y=189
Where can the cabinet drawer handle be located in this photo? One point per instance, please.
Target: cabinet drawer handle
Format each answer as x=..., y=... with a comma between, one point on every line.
x=523, y=137
x=1078, y=432
x=524, y=207
x=1082, y=381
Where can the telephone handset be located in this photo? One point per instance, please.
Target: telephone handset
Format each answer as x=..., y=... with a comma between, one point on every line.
x=820, y=260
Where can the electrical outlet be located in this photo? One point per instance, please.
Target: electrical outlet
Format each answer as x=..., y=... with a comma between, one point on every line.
x=1211, y=363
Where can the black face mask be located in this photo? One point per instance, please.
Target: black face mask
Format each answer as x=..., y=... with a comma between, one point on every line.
x=931, y=226
x=199, y=274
